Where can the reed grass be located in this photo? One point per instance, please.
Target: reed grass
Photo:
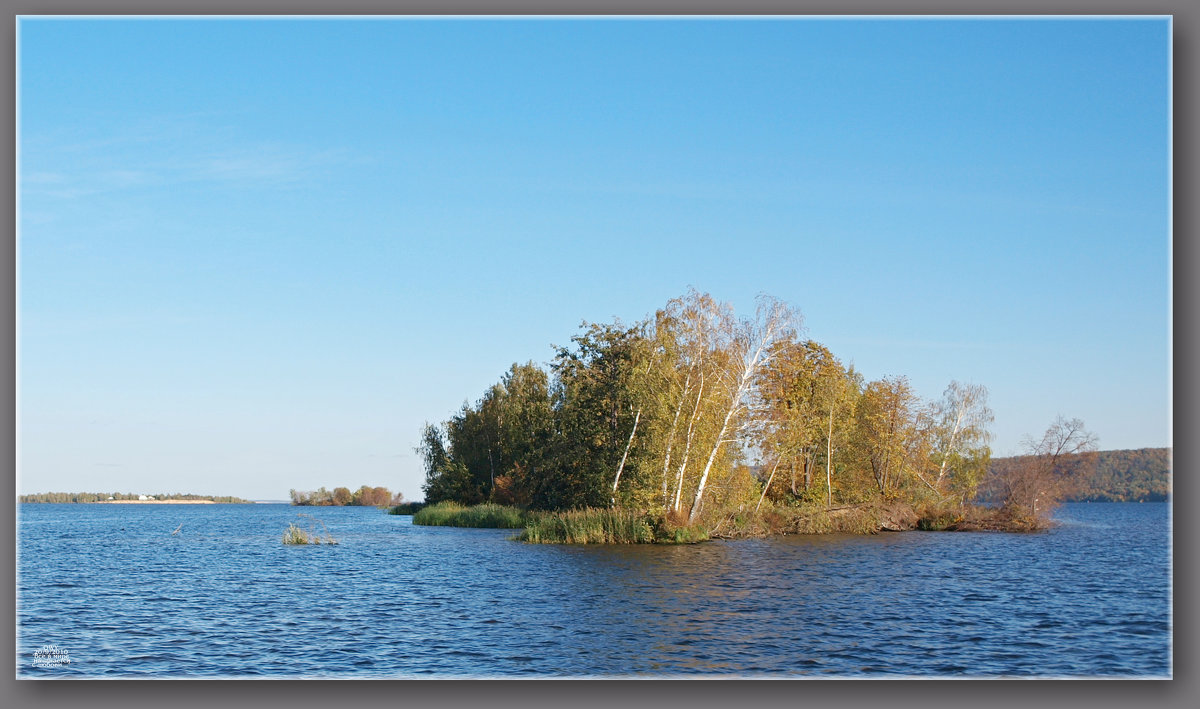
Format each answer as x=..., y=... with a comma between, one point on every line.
x=487, y=515
x=328, y=537
x=299, y=535
x=606, y=526
x=296, y=535
x=681, y=535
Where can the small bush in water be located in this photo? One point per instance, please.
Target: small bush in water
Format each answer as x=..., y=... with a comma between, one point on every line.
x=295, y=535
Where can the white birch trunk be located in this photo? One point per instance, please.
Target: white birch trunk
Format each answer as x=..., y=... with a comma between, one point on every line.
x=712, y=457
x=687, y=389
x=950, y=446
x=829, y=462
x=687, y=448
x=628, y=445
x=767, y=486
x=735, y=406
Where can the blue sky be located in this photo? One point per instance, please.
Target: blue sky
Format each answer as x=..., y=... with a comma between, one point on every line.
x=257, y=255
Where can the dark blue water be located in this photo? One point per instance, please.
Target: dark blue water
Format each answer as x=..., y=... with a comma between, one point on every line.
x=111, y=589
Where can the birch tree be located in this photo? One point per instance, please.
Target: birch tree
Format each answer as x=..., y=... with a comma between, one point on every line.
x=689, y=326
x=961, y=437
x=749, y=345
x=674, y=387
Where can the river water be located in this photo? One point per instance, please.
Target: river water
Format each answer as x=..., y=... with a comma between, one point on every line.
x=111, y=591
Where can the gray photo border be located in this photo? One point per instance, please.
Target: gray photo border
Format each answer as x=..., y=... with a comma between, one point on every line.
x=1182, y=691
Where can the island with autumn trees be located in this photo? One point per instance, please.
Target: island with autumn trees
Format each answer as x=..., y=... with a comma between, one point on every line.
x=365, y=496
x=696, y=423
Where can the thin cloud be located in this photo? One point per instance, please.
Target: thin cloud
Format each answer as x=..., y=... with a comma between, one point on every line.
x=167, y=155
x=263, y=164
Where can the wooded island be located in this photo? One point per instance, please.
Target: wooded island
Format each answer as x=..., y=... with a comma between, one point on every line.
x=697, y=420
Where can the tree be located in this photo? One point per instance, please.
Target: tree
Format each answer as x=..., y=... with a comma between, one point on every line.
x=681, y=399
x=689, y=329
x=673, y=378
x=840, y=395
x=662, y=415
x=961, y=438
x=526, y=428
x=806, y=403
x=445, y=479
x=1054, y=465
x=598, y=393
x=367, y=496
x=748, y=345
x=893, y=428
x=342, y=496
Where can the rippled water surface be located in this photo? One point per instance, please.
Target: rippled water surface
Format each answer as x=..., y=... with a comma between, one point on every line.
x=120, y=595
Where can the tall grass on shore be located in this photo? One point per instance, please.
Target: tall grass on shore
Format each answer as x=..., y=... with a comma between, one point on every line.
x=452, y=514
x=606, y=526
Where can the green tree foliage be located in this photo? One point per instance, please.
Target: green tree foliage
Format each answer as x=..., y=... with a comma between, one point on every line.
x=445, y=479
x=525, y=430
x=598, y=399
x=496, y=450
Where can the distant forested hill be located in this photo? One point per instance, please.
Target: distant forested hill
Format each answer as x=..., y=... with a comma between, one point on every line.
x=1140, y=475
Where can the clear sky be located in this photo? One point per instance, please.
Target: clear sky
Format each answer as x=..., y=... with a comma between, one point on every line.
x=257, y=255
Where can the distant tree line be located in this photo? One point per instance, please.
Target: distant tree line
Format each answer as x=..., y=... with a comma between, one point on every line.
x=1139, y=475
x=67, y=497
x=365, y=496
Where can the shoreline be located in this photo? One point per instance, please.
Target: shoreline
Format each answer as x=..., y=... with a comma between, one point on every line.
x=150, y=502
x=626, y=526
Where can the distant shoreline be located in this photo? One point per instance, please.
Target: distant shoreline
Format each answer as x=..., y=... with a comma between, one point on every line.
x=151, y=502
x=87, y=498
